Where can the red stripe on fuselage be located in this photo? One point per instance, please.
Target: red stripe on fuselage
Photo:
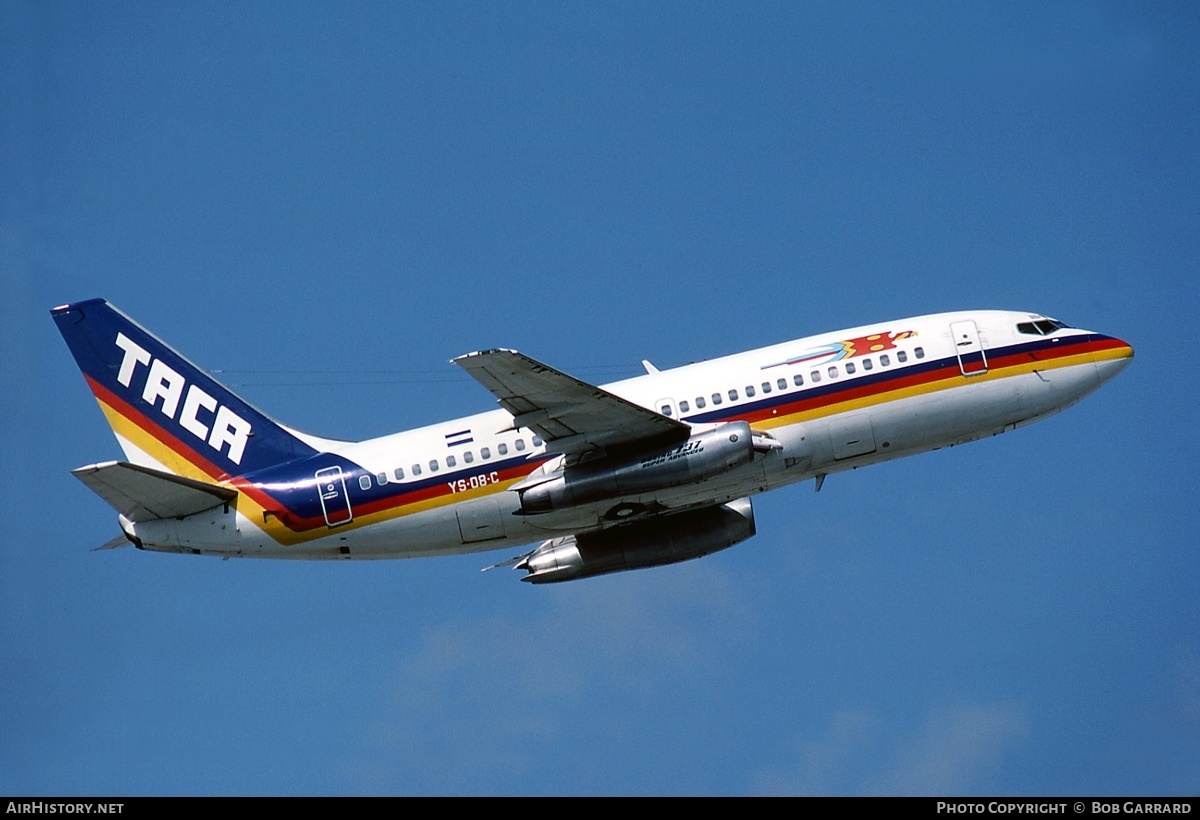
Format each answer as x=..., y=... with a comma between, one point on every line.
x=430, y=491
x=946, y=369
x=901, y=378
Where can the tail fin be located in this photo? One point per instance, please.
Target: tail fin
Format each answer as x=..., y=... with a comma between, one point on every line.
x=166, y=412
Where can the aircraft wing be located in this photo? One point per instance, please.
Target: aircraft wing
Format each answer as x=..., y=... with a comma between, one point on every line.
x=572, y=416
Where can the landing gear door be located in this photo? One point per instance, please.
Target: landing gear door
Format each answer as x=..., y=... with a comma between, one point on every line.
x=335, y=502
x=969, y=347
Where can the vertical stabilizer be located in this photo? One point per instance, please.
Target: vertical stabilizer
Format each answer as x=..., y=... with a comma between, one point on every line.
x=166, y=412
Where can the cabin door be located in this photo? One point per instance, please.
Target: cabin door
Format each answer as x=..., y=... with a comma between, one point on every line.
x=335, y=502
x=969, y=347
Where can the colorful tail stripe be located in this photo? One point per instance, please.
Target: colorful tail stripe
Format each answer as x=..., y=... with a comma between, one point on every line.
x=163, y=405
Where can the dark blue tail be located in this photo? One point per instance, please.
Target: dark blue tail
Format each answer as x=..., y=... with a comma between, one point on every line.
x=165, y=411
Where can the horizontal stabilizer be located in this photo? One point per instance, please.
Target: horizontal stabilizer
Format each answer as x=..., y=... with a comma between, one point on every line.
x=142, y=493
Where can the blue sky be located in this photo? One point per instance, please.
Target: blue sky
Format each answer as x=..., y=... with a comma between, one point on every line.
x=326, y=205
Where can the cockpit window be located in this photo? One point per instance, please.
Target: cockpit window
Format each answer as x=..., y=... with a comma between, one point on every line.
x=1042, y=327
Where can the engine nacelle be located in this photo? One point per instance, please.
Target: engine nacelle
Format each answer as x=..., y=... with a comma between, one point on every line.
x=664, y=540
x=705, y=455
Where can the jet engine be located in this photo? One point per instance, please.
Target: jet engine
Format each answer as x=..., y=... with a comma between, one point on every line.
x=704, y=455
x=663, y=540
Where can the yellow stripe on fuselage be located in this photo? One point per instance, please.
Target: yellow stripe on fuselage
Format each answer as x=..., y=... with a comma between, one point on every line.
x=267, y=519
x=950, y=383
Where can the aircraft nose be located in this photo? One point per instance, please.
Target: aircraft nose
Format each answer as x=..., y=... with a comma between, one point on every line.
x=1111, y=355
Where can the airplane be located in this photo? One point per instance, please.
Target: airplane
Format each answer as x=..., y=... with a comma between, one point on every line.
x=651, y=470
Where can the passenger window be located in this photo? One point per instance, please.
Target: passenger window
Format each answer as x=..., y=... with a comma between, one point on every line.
x=684, y=406
x=537, y=441
x=416, y=469
x=433, y=465
x=901, y=356
x=815, y=376
x=798, y=379
x=849, y=368
x=749, y=391
x=451, y=461
x=468, y=457
x=381, y=478
x=733, y=394
x=884, y=361
x=364, y=481
x=781, y=384
x=867, y=364
x=666, y=410
x=399, y=473
x=833, y=373
x=716, y=397
x=920, y=352
x=485, y=452
x=766, y=386
x=520, y=445
x=700, y=402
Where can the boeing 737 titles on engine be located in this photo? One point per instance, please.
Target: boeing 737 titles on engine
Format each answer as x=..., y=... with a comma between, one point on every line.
x=647, y=471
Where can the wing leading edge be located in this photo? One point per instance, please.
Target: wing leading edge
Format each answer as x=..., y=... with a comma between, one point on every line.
x=573, y=417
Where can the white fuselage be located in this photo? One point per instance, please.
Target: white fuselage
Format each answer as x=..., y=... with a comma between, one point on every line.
x=832, y=402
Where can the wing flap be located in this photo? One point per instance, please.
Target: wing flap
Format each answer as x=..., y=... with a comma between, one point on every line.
x=143, y=494
x=572, y=416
